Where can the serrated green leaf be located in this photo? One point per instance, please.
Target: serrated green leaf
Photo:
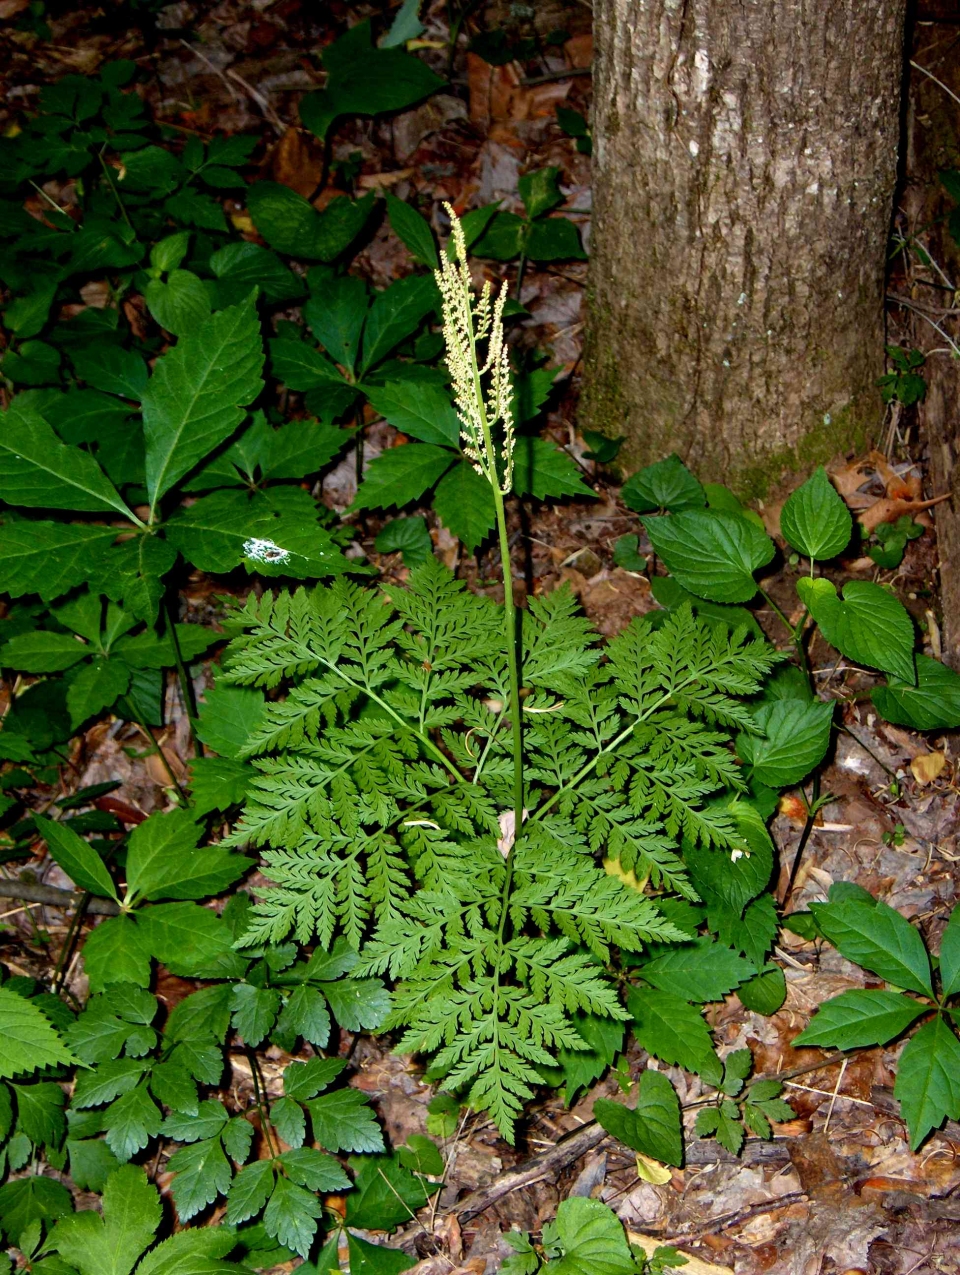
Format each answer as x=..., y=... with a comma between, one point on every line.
x=464, y=504
x=411, y=228
x=32, y=1199
x=712, y=553
x=228, y=716
x=950, y=956
x=396, y=314
x=408, y=536
x=111, y=1244
x=814, y=519
x=314, y=1170
x=765, y=992
x=96, y=686
x=40, y=1112
x=335, y=315
x=192, y=1252
x=385, y=1193
x=132, y=1120
x=39, y=471
x=79, y=860
x=542, y=470
x=589, y=1238
x=42, y=652
x=173, y=1085
x=115, y=952
x=880, y=939
x=401, y=475
x=375, y=1259
x=197, y=394
x=109, y=1080
x=928, y=1079
x=653, y=1127
x=217, y=783
x=274, y=532
x=28, y=1041
x=50, y=558
x=858, y=1018
x=933, y=704
x=291, y=1216
x=187, y=938
x=869, y=625
x=794, y=737
x=672, y=1030
x=665, y=485
x=344, y=1121
x=302, y=367
x=305, y=1080
x=111, y=369
x=305, y=1014
x=358, y=1004
x=729, y=1131
x=201, y=1174
x=254, y=1011
x=91, y=1163
x=164, y=861
x=422, y=410
x=700, y=971
x=249, y=1191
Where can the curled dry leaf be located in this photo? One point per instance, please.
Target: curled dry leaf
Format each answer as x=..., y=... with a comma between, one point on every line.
x=928, y=767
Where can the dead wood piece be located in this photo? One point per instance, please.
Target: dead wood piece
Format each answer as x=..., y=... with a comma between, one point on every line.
x=33, y=892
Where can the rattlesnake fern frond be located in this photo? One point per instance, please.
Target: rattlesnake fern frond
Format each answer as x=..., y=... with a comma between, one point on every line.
x=394, y=767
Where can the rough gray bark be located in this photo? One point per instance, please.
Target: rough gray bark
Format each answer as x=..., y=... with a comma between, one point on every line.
x=745, y=163
x=934, y=144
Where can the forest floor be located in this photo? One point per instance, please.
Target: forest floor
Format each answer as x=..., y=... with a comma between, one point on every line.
x=837, y=1189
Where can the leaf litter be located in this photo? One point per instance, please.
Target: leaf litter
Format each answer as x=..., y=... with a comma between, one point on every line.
x=838, y=1187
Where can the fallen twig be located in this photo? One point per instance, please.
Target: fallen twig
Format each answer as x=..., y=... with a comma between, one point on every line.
x=34, y=892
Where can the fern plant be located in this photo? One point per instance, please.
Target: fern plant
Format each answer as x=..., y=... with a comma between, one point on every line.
x=439, y=776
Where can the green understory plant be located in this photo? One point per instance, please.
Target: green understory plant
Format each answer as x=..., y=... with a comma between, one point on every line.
x=587, y=1237
x=712, y=548
x=439, y=775
x=870, y=933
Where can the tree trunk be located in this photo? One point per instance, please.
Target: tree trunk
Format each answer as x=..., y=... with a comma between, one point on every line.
x=934, y=145
x=745, y=163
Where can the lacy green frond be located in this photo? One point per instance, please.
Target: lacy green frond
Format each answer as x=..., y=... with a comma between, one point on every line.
x=384, y=804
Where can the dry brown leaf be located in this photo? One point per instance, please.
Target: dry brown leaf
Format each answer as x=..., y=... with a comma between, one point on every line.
x=928, y=767
x=10, y=8
x=889, y=509
x=793, y=808
x=297, y=162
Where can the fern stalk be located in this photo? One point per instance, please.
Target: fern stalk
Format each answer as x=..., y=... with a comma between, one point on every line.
x=465, y=323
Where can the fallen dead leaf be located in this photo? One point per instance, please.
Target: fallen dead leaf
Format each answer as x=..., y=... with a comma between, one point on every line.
x=650, y=1170
x=297, y=162
x=793, y=808
x=927, y=767
x=890, y=508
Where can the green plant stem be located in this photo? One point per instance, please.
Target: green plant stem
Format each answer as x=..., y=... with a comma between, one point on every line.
x=155, y=748
x=812, y=807
x=113, y=189
x=186, y=685
x=795, y=631
x=258, y=1089
x=69, y=943
x=521, y=267
x=513, y=659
